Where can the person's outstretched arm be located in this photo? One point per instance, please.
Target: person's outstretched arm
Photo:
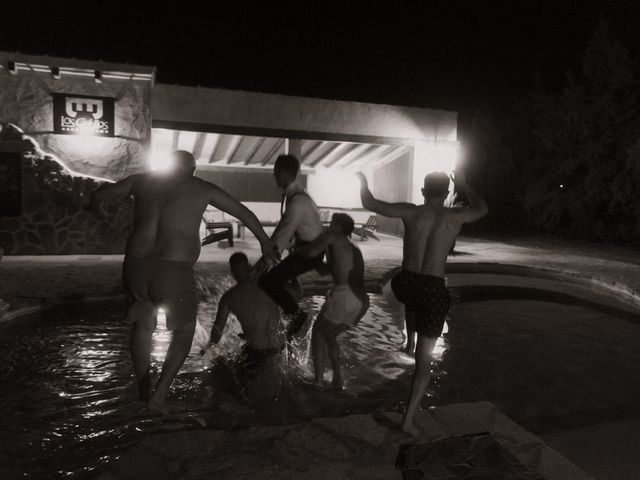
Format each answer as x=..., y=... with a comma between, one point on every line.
x=396, y=210
x=477, y=206
x=221, y=320
x=112, y=192
x=225, y=202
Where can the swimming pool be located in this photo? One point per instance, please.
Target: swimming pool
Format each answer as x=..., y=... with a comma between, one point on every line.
x=549, y=356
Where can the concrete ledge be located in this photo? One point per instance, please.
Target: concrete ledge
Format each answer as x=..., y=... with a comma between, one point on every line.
x=353, y=447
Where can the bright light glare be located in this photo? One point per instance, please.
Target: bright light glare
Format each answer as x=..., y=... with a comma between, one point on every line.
x=433, y=157
x=162, y=318
x=161, y=161
x=334, y=187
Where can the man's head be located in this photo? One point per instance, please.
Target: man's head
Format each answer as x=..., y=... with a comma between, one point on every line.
x=436, y=186
x=240, y=268
x=184, y=162
x=286, y=170
x=343, y=223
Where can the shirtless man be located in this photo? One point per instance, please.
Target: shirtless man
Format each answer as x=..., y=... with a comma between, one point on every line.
x=158, y=264
x=346, y=303
x=429, y=233
x=261, y=325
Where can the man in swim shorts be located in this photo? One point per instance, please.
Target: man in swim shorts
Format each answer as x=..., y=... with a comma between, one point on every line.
x=429, y=233
x=262, y=357
x=346, y=302
x=158, y=264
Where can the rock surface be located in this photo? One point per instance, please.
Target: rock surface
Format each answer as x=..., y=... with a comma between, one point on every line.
x=353, y=447
x=54, y=217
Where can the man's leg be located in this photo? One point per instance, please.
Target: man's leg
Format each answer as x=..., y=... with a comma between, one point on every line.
x=176, y=355
x=142, y=315
x=318, y=351
x=334, y=355
x=273, y=281
x=420, y=380
x=410, y=322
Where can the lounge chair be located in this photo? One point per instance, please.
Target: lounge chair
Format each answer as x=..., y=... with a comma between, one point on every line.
x=217, y=231
x=365, y=230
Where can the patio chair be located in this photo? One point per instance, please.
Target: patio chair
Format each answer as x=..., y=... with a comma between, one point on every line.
x=365, y=230
x=217, y=231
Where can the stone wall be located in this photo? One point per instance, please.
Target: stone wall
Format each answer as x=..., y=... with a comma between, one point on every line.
x=55, y=218
x=25, y=101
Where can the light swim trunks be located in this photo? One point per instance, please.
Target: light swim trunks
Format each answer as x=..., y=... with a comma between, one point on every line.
x=344, y=307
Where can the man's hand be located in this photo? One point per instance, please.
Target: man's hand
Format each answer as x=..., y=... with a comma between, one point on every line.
x=270, y=251
x=260, y=267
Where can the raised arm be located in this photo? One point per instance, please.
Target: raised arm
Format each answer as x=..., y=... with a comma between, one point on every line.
x=477, y=206
x=221, y=319
x=397, y=210
x=225, y=202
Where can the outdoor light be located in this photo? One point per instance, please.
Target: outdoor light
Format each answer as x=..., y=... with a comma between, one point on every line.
x=11, y=66
x=561, y=186
x=160, y=161
x=97, y=76
x=55, y=72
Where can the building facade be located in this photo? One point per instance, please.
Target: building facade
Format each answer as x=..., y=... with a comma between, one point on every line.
x=67, y=125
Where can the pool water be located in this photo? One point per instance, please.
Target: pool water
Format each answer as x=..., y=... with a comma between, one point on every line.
x=69, y=402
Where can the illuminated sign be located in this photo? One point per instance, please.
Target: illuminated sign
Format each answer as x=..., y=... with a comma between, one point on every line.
x=83, y=115
x=10, y=185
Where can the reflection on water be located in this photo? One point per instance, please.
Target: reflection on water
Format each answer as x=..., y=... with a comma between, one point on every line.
x=69, y=400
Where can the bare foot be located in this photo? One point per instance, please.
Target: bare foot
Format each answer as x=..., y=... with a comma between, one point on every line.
x=409, y=428
x=158, y=407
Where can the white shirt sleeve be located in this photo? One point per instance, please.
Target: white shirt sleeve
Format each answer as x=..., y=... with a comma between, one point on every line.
x=288, y=223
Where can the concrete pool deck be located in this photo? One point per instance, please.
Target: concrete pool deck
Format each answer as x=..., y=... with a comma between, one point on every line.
x=355, y=447
x=606, y=450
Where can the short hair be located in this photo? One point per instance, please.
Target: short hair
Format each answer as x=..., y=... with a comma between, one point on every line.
x=287, y=163
x=185, y=159
x=237, y=259
x=345, y=221
x=436, y=184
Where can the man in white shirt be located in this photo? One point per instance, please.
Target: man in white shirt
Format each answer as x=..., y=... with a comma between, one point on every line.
x=301, y=222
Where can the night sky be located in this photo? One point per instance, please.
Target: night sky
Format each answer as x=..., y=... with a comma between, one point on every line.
x=439, y=55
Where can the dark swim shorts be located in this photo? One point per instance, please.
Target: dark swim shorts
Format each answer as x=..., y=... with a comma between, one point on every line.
x=425, y=295
x=168, y=284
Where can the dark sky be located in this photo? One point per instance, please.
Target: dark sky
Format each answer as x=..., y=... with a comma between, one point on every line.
x=441, y=54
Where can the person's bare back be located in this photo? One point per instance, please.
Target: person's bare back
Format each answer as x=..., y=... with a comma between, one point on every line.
x=167, y=217
x=258, y=315
x=429, y=234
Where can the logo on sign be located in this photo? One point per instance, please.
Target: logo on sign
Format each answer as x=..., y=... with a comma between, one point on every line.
x=75, y=105
x=83, y=115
